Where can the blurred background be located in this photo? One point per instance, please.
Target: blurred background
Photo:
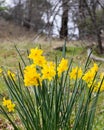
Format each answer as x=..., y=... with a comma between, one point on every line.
x=62, y=19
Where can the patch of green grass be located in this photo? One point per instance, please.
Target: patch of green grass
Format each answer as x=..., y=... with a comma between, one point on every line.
x=3, y=88
x=75, y=50
x=99, y=117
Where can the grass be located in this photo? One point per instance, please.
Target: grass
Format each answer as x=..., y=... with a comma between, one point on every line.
x=9, y=60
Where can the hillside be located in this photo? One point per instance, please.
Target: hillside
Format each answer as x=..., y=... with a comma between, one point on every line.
x=9, y=29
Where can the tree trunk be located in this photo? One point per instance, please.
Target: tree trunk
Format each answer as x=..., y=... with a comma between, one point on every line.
x=81, y=19
x=99, y=43
x=64, y=26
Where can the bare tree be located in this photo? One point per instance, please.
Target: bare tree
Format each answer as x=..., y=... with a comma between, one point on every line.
x=34, y=11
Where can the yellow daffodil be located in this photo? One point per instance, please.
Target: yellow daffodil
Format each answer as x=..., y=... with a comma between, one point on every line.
x=8, y=103
x=40, y=61
x=95, y=84
x=11, y=107
x=75, y=73
x=99, y=85
x=35, y=53
x=31, y=77
x=63, y=66
x=37, y=57
x=94, y=68
x=11, y=75
x=48, y=71
x=90, y=74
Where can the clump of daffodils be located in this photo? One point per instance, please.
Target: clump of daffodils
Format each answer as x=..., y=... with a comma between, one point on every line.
x=41, y=69
x=51, y=94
